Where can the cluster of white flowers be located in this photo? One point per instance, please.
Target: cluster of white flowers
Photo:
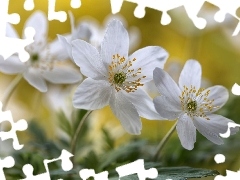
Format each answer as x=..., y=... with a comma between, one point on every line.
x=115, y=78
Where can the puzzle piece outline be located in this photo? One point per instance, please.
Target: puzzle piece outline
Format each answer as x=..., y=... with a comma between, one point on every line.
x=20, y=125
x=66, y=165
x=7, y=162
x=192, y=9
x=9, y=45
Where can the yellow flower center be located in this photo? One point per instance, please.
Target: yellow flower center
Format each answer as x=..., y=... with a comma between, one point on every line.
x=196, y=103
x=119, y=78
x=192, y=106
x=122, y=75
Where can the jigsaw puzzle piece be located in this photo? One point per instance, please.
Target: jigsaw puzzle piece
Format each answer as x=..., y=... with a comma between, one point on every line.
x=116, y=5
x=66, y=165
x=226, y=7
x=13, y=45
x=192, y=8
x=28, y=171
x=13, y=18
x=137, y=167
x=207, y=12
x=7, y=162
x=28, y=5
x=9, y=46
x=87, y=173
x=20, y=125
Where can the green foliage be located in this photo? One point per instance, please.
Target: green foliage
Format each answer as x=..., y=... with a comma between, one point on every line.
x=64, y=123
x=109, y=155
x=176, y=173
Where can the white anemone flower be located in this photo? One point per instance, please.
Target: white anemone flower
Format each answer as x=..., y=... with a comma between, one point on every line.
x=82, y=31
x=191, y=105
x=91, y=31
x=115, y=79
x=45, y=62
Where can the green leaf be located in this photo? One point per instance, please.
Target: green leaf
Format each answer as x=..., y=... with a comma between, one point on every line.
x=123, y=154
x=37, y=132
x=64, y=123
x=176, y=173
x=108, y=140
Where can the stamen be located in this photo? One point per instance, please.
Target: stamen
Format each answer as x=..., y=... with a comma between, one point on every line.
x=44, y=61
x=195, y=102
x=120, y=71
x=119, y=78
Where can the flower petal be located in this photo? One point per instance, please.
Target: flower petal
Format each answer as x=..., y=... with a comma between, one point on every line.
x=211, y=128
x=167, y=86
x=10, y=31
x=220, y=96
x=11, y=65
x=115, y=41
x=166, y=108
x=62, y=75
x=126, y=113
x=186, y=131
x=92, y=94
x=39, y=22
x=143, y=103
x=134, y=38
x=148, y=59
x=88, y=59
x=83, y=31
x=65, y=43
x=191, y=74
x=34, y=78
x=57, y=50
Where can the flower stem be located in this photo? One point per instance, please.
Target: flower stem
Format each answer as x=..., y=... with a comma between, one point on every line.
x=7, y=94
x=10, y=89
x=75, y=137
x=163, y=142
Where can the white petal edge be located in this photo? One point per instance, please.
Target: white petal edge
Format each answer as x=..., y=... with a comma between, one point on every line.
x=167, y=86
x=92, y=94
x=211, y=128
x=83, y=31
x=144, y=104
x=88, y=59
x=34, y=78
x=148, y=59
x=65, y=43
x=125, y=111
x=191, y=74
x=38, y=21
x=62, y=75
x=186, y=131
x=220, y=96
x=10, y=31
x=57, y=50
x=166, y=108
x=115, y=41
x=12, y=65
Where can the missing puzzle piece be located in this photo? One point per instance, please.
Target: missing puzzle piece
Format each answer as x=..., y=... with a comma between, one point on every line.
x=164, y=6
x=11, y=45
x=7, y=162
x=66, y=165
x=20, y=125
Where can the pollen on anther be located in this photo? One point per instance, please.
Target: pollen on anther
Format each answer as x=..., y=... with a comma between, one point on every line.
x=120, y=70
